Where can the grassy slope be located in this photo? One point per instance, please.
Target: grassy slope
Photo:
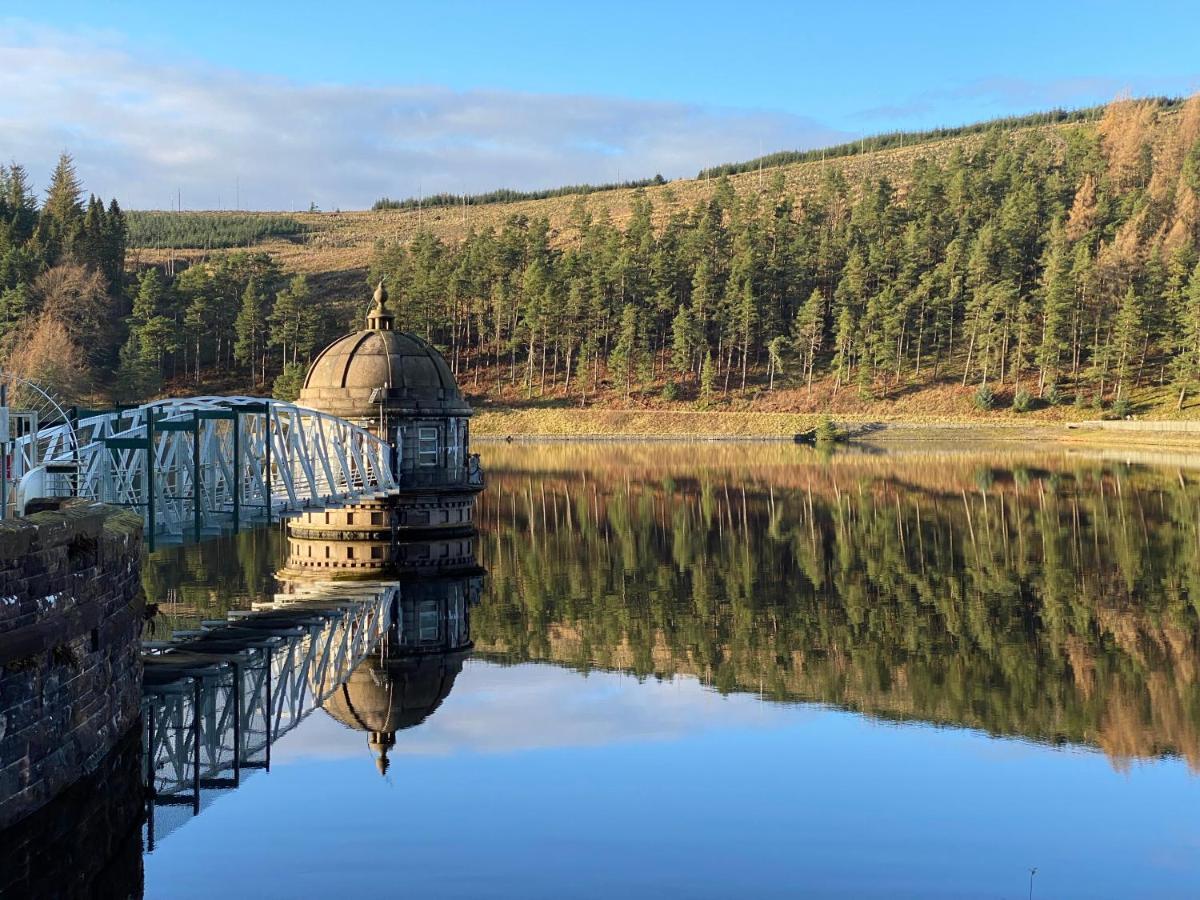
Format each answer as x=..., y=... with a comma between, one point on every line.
x=338, y=250
x=342, y=241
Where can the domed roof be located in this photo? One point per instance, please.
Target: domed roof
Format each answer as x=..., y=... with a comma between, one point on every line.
x=385, y=697
x=356, y=373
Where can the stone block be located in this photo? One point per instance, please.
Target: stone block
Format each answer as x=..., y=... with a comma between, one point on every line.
x=69, y=585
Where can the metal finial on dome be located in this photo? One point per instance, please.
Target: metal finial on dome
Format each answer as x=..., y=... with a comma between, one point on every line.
x=379, y=318
x=382, y=763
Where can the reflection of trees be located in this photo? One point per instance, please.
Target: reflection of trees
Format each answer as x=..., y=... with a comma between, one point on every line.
x=1048, y=598
x=206, y=580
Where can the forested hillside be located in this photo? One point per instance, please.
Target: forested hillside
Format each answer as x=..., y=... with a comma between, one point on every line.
x=61, y=278
x=1048, y=264
x=1034, y=266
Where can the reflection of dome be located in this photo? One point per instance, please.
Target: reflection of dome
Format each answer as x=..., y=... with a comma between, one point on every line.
x=411, y=672
x=383, y=696
x=355, y=373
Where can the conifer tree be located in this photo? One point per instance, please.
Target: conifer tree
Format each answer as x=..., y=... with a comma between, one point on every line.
x=249, y=327
x=684, y=340
x=293, y=326
x=1057, y=291
x=1129, y=332
x=708, y=377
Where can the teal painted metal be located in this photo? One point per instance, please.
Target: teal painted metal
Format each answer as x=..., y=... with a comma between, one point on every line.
x=195, y=462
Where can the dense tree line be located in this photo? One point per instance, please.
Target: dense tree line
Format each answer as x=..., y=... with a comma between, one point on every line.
x=507, y=195
x=893, y=139
x=61, y=280
x=1038, y=265
x=236, y=313
x=68, y=323
x=207, y=230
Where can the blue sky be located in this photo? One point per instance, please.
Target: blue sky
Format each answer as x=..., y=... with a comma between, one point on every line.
x=352, y=100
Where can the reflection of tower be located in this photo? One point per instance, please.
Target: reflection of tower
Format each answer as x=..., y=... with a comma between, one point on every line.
x=413, y=669
x=399, y=387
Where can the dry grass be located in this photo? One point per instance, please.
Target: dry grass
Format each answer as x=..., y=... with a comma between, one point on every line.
x=788, y=411
x=340, y=241
x=617, y=422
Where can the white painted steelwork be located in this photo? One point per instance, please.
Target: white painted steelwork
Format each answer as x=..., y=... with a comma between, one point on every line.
x=199, y=464
x=215, y=700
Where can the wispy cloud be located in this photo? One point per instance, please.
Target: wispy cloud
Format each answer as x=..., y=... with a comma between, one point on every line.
x=142, y=128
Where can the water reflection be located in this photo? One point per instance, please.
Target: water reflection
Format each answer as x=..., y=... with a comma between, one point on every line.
x=413, y=668
x=85, y=842
x=704, y=591
x=376, y=656
x=1045, y=596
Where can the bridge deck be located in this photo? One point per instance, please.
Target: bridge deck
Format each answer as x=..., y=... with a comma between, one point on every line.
x=215, y=699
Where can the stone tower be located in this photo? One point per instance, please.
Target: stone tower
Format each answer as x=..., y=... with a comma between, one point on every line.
x=399, y=387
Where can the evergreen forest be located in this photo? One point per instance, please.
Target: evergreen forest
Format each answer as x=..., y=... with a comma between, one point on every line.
x=1023, y=265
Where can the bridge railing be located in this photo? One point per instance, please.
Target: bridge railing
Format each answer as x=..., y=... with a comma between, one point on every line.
x=216, y=700
x=200, y=464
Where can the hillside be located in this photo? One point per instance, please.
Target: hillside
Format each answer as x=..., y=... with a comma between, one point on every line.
x=1044, y=271
x=341, y=240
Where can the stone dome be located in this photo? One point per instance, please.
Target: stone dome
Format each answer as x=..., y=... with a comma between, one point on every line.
x=354, y=374
x=382, y=698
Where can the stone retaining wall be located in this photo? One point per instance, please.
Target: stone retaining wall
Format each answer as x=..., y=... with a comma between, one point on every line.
x=71, y=609
x=86, y=842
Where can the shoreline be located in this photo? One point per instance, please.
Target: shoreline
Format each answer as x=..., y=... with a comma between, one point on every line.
x=1175, y=435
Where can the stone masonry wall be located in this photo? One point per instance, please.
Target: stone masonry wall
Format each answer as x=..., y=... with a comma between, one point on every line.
x=71, y=609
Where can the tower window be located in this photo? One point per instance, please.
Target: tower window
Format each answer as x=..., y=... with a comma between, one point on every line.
x=427, y=446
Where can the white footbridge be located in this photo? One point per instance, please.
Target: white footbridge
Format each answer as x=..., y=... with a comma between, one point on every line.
x=198, y=465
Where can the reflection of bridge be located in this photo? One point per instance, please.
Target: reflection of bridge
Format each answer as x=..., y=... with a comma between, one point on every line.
x=194, y=466
x=215, y=699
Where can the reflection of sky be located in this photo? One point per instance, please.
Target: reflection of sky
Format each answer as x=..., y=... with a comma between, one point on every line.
x=535, y=707
x=535, y=781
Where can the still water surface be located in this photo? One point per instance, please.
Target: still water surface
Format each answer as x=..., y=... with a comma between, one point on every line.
x=723, y=670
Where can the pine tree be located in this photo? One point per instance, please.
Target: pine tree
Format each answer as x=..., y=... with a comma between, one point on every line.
x=844, y=344
x=152, y=331
x=62, y=214
x=292, y=325
x=16, y=307
x=135, y=379
x=1187, y=359
x=708, y=377
x=1057, y=291
x=627, y=358
x=249, y=327
x=683, y=340
x=807, y=330
x=1128, y=335
x=289, y=382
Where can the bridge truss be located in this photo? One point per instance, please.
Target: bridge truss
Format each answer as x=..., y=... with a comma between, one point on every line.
x=215, y=700
x=198, y=465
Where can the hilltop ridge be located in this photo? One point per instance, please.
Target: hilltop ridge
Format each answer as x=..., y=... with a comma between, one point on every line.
x=345, y=239
x=1044, y=268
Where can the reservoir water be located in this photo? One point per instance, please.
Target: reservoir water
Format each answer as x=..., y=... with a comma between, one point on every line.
x=718, y=670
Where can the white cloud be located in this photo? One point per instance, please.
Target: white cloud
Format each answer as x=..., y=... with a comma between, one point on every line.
x=504, y=709
x=141, y=128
